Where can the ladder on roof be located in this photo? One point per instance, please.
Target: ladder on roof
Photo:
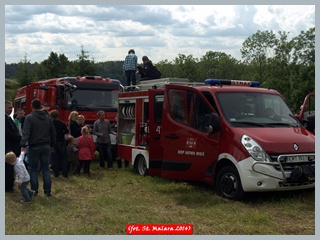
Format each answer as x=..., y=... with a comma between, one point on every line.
x=160, y=83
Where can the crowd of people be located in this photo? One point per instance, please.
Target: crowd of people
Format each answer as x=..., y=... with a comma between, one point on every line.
x=41, y=142
x=131, y=68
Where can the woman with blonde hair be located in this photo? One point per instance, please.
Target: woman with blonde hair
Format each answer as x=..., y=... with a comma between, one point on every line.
x=74, y=127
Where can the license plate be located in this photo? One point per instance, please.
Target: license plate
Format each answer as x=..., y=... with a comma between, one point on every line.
x=297, y=159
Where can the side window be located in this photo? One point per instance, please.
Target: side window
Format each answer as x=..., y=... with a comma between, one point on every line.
x=177, y=105
x=202, y=114
x=188, y=107
x=158, y=107
x=210, y=99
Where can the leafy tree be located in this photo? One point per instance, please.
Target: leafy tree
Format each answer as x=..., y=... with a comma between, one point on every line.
x=256, y=49
x=166, y=68
x=218, y=65
x=186, y=67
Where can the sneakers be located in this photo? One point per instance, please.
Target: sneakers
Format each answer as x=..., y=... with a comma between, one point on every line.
x=24, y=201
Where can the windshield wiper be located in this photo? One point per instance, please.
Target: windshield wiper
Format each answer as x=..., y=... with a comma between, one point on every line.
x=249, y=123
x=282, y=124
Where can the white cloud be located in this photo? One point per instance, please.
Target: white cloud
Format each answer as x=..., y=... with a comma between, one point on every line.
x=161, y=32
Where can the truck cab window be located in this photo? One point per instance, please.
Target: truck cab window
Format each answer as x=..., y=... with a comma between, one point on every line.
x=189, y=108
x=210, y=99
x=158, y=106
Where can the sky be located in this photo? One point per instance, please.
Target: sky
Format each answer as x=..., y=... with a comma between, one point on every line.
x=161, y=32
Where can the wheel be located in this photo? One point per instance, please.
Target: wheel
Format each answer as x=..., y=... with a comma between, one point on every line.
x=228, y=183
x=140, y=166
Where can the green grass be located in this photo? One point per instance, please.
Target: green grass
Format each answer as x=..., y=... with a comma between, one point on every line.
x=108, y=200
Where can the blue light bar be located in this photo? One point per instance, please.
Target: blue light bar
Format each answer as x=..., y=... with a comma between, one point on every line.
x=213, y=82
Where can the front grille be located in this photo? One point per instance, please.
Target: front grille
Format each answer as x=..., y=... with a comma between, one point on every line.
x=289, y=166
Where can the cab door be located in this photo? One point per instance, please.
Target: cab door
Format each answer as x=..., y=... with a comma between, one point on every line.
x=156, y=101
x=189, y=150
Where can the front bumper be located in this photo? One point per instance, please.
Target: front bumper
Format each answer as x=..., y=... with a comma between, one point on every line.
x=270, y=176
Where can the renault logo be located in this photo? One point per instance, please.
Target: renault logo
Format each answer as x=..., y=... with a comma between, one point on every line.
x=296, y=147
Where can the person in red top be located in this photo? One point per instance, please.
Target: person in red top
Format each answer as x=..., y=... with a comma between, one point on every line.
x=86, y=148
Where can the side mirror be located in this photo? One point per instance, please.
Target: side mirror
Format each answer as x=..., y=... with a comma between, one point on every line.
x=215, y=124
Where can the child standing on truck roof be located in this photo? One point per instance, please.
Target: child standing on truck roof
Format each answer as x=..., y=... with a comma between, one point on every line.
x=129, y=67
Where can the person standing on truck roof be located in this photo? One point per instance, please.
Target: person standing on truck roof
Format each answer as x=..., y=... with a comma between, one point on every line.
x=40, y=135
x=129, y=67
x=148, y=71
x=102, y=129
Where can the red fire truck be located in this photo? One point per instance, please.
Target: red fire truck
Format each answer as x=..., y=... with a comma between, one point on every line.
x=307, y=112
x=228, y=133
x=87, y=95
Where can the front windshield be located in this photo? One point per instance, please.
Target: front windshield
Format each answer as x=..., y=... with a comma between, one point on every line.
x=255, y=109
x=88, y=99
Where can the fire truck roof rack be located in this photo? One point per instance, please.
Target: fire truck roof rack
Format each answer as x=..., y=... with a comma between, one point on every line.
x=160, y=83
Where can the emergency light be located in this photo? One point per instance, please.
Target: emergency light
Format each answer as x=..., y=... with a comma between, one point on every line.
x=213, y=82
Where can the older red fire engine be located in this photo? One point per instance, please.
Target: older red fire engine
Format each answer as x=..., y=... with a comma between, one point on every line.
x=87, y=95
x=228, y=133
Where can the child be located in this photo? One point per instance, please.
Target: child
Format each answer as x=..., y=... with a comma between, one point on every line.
x=72, y=151
x=22, y=175
x=86, y=148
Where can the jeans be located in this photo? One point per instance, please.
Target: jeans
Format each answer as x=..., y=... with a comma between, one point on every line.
x=60, y=159
x=105, y=151
x=25, y=191
x=40, y=155
x=9, y=180
x=131, y=76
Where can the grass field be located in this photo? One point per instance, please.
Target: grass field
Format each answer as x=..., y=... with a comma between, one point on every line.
x=108, y=200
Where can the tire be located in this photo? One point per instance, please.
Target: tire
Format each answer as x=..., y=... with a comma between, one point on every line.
x=228, y=184
x=140, y=166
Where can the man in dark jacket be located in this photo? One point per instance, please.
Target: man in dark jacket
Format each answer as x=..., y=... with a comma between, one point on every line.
x=148, y=71
x=40, y=135
x=12, y=141
x=60, y=156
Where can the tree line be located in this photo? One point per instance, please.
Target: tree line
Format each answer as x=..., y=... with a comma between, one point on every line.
x=267, y=57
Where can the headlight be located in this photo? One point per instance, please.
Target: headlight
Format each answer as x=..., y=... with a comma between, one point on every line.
x=254, y=149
